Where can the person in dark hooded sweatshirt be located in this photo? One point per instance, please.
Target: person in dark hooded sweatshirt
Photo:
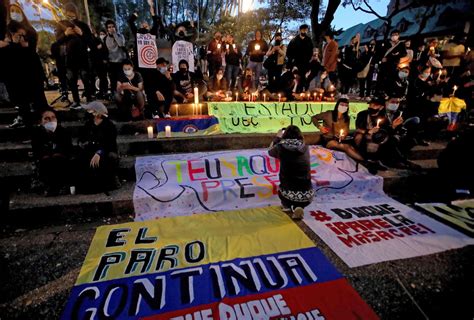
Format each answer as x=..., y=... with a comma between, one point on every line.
x=295, y=190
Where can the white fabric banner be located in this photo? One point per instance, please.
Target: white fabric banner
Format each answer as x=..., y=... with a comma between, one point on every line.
x=350, y=212
x=182, y=50
x=147, y=50
x=172, y=185
x=372, y=228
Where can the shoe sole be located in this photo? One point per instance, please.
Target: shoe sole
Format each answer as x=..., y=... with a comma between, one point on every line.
x=298, y=214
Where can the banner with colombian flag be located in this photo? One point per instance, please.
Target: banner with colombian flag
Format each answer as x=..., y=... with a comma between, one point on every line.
x=253, y=264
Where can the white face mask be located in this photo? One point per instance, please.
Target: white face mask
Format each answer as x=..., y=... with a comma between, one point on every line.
x=163, y=70
x=425, y=75
x=392, y=106
x=16, y=16
x=102, y=37
x=394, y=38
x=220, y=76
x=128, y=72
x=402, y=75
x=342, y=109
x=51, y=126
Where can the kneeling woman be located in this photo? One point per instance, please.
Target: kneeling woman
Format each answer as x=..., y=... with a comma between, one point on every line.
x=295, y=190
x=334, y=126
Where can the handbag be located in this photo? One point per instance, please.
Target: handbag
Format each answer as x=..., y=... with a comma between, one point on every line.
x=363, y=74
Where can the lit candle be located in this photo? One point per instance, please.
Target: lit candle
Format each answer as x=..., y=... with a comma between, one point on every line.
x=315, y=96
x=439, y=74
x=257, y=47
x=264, y=97
x=196, y=95
x=279, y=97
x=302, y=96
x=250, y=97
x=168, y=131
x=177, y=109
x=233, y=46
x=218, y=46
x=341, y=133
x=227, y=46
x=309, y=96
x=149, y=129
x=226, y=96
x=454, y=90
x=378, y=123
x=236, y=96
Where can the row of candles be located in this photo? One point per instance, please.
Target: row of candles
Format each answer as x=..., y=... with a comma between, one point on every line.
x=151, y=134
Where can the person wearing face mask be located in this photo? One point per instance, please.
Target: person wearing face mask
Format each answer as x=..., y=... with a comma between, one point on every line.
x=98, y=157
x=330, y=55
x=115, y=43
x=161, y=90
x=24, y=81
x=365, y=76
x=52, y=153
x=185, y=81
x=399, y=86
x=347, y=67
x=74, y=37
x=331, y=124
x=299, y=53
x=129, y=93
x=275, y=60
x=256, y=51
x=218, y=87
x=390, y=53
x=214, y=54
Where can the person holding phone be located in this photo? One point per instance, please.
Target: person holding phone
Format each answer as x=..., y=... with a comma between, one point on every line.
x=295, y=190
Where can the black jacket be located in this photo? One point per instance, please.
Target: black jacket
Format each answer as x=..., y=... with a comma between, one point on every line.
x=45, y=143
x=75, y=45
x=98, y=139
x=295, y=166
x=299, y=51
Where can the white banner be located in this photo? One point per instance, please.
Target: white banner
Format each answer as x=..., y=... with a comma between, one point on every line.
x=171, y=185
x=376, y=228
x=147, y=50
x=182, y=50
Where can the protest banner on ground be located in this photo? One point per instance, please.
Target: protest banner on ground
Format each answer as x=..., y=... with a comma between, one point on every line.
x=182, y=50
x=228, y=265
x=268, y=117
x=228, y=180
x=184, y=127
x=147, y=51
x=373, y=228
x=350, y=211
x=459, y=214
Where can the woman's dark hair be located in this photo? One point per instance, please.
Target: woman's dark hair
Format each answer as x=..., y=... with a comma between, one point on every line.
x=109, y=22
x=15, y=26
x=183, y=61
x=345, y=114
x=293, y=132
x=39, y=114
x=127, y=62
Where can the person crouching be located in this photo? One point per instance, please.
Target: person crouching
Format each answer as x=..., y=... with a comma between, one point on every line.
x=295, y=190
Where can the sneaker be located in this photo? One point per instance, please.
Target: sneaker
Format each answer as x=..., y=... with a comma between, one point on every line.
x=156, y=116
x=76, y=106
x=17, y=123
x=285, y=209
x=167, y=115
x=298, y=213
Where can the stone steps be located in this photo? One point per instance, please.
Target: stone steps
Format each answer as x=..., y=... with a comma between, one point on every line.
x=34, y=209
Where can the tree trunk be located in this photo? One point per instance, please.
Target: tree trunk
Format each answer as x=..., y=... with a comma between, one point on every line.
x=319, y=28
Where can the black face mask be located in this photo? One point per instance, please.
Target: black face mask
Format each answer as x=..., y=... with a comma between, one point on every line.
x=277, y=42
x=303, y=35
x=373, y=112
x=183, y=70
x=181, y=34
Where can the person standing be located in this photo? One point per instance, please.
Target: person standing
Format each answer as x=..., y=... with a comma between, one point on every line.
x=330, y=54
x=256, y=51
x=391, y=53
x=115, y=43
x=299, y=53
x=295, y=190
x=233, y=58
x=75, y=37
x=349, y=59
x=214, y=54
x=99, y=62
x=162, y=89
x=275, y=61
x=365, y=76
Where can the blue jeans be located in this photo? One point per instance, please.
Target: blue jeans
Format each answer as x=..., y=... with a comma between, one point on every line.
x=231, y=73
x=256, y=68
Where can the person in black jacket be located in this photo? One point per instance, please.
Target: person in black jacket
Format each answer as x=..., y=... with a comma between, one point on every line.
x=299, y=53
x=295, y=190
x=256, y=51
x=52, y=152
x=233, y=58
x=98, y=158
x=75, y=38
x=99, y=62
x=389, y=53
x=347, y=67
x=161, y=90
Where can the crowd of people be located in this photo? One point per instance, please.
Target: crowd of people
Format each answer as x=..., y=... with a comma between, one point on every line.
x=402, y=83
